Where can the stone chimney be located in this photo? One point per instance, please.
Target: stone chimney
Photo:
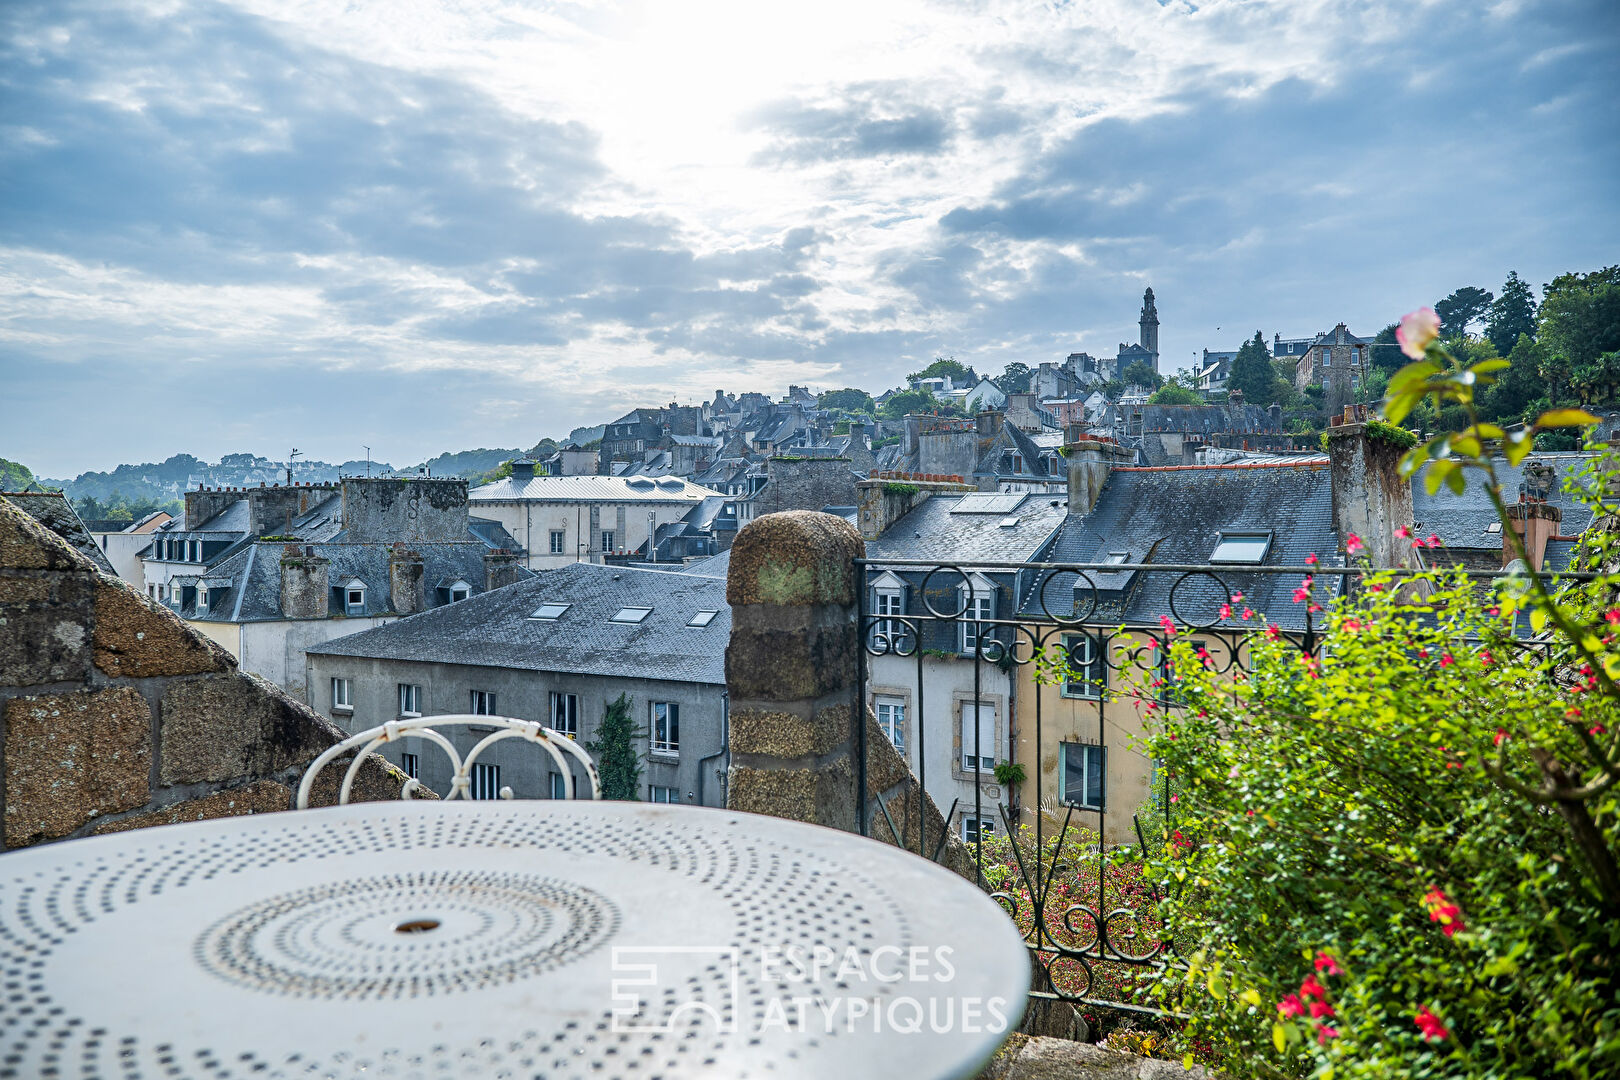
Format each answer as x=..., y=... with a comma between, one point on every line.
x=1090, y=462
x=500, y=568
x=913, y=427
x=406, y=573
x=989, y=422
x=381, y=510
x=880, y=503
x=305, y=591
x=1533, y=517
x=1370, y=497
x=1274, y=416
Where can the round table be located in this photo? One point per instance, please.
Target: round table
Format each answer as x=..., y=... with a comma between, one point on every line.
x=494, y=939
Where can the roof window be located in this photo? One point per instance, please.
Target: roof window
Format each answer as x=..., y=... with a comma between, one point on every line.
x=1241, y=548
x=1116, y=558
x=550, y=611
x=1009, y=522
x=703, y=618
x=631, y=614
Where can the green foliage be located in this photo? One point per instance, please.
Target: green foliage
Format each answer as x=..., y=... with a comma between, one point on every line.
x=1010, y=774
x=472, y=464
x=1513, y=315
x=1579, y=318
x=959, y=373
x=1014, y=379
x=1173, y=393
x=1141, y=373
x=849, y=399
x=616, y=760
x=1385, y=351
x=118, y=507
x=1461, y=309
x=14, y=476
x=1253, y=374
x=1389, y=433
x=893, y=488
x=917, y=402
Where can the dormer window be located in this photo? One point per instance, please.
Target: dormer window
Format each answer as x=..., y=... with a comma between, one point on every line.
x=459, y=590
x=354, y=598
x=202, y=598
x=1235, y=547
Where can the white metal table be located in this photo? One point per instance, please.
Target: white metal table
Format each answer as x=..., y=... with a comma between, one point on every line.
x=498, y=939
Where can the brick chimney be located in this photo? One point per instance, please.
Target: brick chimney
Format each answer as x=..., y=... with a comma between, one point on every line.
x=500, y=568
x=1370, y=497
x=406, y=573
x=305, y=591
x=1090, y=462
x=1533, y=517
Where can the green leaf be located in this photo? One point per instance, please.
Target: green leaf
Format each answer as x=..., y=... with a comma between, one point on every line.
x=1412, y=377
x=1455, y=481
x=1485, y=367
x=1556, y=418
x=1485, y=431
x=1251, y=996
x=1437, y=474
x=1518, y=444
x=1279, y=1038
x=1397, y=405
x=1466, y=445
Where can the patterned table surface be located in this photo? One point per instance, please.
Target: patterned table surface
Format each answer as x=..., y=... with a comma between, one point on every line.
x=494, y=939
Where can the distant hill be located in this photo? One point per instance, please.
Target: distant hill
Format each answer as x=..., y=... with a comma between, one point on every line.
x=15, y=476
x=468, y=463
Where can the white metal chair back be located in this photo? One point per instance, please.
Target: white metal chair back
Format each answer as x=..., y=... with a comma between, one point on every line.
x=559, y=746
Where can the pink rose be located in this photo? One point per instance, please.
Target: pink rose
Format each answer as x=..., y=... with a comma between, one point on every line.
x=1417, y=329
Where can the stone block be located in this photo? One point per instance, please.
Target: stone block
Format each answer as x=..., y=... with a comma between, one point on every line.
x=25, y=544
x=377, y=781
x=228, y=727
x=136, y=638
x=264, y=797
x=789, y=733
x=73, y=757
x=795, y=558
x=779, y=653
x=45, y=626
x=822, y=796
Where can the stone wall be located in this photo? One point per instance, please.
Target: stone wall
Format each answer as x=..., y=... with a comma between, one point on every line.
x=417, y=510
x=114, y=714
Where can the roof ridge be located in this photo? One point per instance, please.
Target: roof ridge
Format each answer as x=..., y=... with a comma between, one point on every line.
x=1315, y=463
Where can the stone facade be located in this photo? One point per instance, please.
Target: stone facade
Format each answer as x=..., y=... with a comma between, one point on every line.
x=116, y=714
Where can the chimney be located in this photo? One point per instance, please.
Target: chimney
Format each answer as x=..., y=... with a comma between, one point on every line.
x=500, y=568
x=1533, y=517
x=913, y=428
x=523, y=470
x=406, y=573
x=305, y=590
x=1090, y=462
x=1274, y=414
x=1370, y=497
x=989, y=423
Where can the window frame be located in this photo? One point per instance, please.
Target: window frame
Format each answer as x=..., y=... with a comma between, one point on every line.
x=609, y=536
x=558, y=538
x=664, y=731
x=703, y=618
x=351, y=606
x=670, y=795
x=483, y=703
x=558, y=789
x=891, y=724
x=410, y=694
x=345, y=699
x=966, y=759
x=561, y=606
x=410, y=764
x=1092, y=687
x=980, y=594
x=980, y=827
x=484, y=783
x=638, y=620
x=1239, y=535
x=1092, y=755
x=563, y=711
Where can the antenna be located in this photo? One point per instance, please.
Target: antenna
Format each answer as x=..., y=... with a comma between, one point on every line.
x=295, y=454
x=368, y=460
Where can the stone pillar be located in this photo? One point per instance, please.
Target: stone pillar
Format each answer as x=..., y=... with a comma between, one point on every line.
x=1090, y=462
x=305, y=591
x=500, y=568
x=406, y=571
x=1370, y=497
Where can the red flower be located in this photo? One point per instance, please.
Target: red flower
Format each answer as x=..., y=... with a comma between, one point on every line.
x=1446, y=660
x=1226, y=611
x=1430, y=1025
x=1272, y=631
x=1319, y=1009
x=1486, y=658
x=1424, y=653
x=1596, y=729
x=1572, y=712
x=1403, y=532
x=1433, y=541
x=1353, y=544
x=1310, y=988
x=1168, y=624
x=1326, y=964
x=1324, y=1033
x=1352, y=625
x=1613, y=615
x=1290, y=1006
x=1443, y=911
x=1237, y=596
x=1310, y=560
x=1501, y=736
x=1248, y=613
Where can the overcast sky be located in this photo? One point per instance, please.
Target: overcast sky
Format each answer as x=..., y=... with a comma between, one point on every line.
x=428, y=225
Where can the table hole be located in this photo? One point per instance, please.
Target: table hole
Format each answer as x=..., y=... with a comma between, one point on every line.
x=417, y=926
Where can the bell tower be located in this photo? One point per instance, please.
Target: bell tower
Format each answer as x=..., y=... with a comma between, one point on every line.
x=1150, y=327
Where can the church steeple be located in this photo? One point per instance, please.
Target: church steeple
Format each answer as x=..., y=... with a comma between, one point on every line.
x=1150, y=326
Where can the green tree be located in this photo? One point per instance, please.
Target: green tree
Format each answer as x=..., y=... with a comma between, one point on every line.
x=917, y=402
x=1580, y=315
x=960, y=374
x=1461, y=309
x=1385, y=351
x=1519, y=386
x=1252, y=372
x=14, y=476
x=848, y=399
x=1513, y=315
x=1014, y=379
x=1141, y=373
x=1173, y=393
x=617, y=762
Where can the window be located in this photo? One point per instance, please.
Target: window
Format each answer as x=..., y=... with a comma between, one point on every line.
x=1327, y=357
x=1017, y=461
x=410, y=699
x=703, y=618
x=409, y=764
x=556, y=541
x=1241, y=547
x=607, y=540
x=202, y=598
x=1086, y=670
x=1118, y=558
x=630, y=614
x=558, y=790
x=174, y=591
x=354, y=599
x=1083, y=775
x=565, y=714
x=979, y=609
x=666, y=727
x=662, y=794
x=975, y=827
x=550, y=611
x=483, y=703
x=978, y=737
x=341, y=697
x=486, y=781
x=890, y=602
x=460, y=591
x=891, y=717
x=1170, y=691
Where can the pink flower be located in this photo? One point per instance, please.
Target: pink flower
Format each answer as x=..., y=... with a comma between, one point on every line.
x=1226, y=611
x=1486, y=658
x=1430, y=1025
x=1326, y=964
x=1443, y=911
x=1272, y=632
x=1352, y=625
x=1417, y=329
x=1324, y=1033
x=1320, y=1009
x=1501, y=736
x=1433, y=541
x=1446, y=660
x=1403, y=532
x=1203, y=654
x=1168, y=624
x=1290, y=1006
x=1612, y=615
x=1310, y=988
x=1236, y=597
x=1310, y=560
x=1353, y=544
x=1248, y=613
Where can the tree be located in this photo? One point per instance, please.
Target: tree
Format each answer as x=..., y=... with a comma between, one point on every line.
x=1385, y=352
x=1580, y=315
x=1512, y=316
x=1252, y=372
x=916, y=401
x=1518, y=386
x=848, y=399
x=1141, y=373
x=14, y=476
x=1173, y=393
x=947, y=366
x=1465, y=306
x=1014, y=379
x=617, y=762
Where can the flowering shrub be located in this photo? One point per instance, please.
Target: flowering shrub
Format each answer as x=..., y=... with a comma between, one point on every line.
x=1403, y=850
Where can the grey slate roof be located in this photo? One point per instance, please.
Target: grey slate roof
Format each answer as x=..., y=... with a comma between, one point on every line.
x=714, y=566
x=590, y=489
x=1174, y=515
x=52, y=510
x=495, y=629
x=1461, y=520
x=933, y=531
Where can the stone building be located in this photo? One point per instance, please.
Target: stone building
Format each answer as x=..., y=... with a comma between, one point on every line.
x=1339, y=361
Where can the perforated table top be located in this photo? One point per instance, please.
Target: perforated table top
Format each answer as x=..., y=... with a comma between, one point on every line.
x=498, y=939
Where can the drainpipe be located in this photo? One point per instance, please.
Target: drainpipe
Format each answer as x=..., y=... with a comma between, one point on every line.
x=725, y=746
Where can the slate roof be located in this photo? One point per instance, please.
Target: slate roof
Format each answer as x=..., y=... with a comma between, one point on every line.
x=52, y=510
x=1204, y=419
x=495, y=629
x=1175, y=514
x=1461, y=520
x=493, y=534
x=934, y=531
x=590, y=489
x=254, y=573
x=714, y=566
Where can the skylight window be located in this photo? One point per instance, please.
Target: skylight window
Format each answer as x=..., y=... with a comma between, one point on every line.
x=550, y=611
x=703, y=618
x=1009, y=522
x=631, y=614
x=1241, y=548
x=1117, y=558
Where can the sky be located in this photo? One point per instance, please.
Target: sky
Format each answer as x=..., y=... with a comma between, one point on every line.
x=428, y=226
